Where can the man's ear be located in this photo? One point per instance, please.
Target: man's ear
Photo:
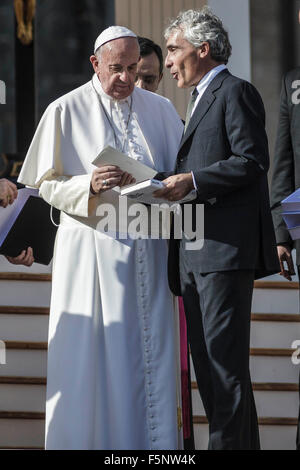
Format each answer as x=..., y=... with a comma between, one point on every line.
x=94, y=61
x=203, y=50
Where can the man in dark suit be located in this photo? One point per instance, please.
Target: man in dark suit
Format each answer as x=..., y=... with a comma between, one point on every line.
x=286, y=174
x=224, y=155
x=286, y=169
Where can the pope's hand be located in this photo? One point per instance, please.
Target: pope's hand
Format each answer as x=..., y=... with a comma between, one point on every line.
x=107, y=177
x=8, y=192
x=126, y=179
x=26, y=258
x=177, y=187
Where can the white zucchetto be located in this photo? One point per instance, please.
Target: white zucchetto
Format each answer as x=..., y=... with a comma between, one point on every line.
x=111, y=33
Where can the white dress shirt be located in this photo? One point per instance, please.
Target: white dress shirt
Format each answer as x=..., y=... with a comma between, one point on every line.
x=205, y=81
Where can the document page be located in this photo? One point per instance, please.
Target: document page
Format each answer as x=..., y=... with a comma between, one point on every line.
x=111, y=156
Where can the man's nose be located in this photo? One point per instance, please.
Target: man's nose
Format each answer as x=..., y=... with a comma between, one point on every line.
x=124, y=76
x=168, y=62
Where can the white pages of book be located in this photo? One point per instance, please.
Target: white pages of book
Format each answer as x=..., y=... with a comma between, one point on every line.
x=145, y=185
x=111, y=156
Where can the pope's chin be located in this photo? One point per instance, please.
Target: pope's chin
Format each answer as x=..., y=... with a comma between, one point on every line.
x=121, y=93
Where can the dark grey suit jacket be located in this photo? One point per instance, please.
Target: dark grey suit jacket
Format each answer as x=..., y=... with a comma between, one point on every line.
x=286, y=170
x=225, y=145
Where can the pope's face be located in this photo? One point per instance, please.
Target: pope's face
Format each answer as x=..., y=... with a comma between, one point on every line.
x=116, y=68
x=148, y=73
x=183, y=61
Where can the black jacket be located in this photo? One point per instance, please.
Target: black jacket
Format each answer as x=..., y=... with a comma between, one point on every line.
x=286, y=170
x=225, y=145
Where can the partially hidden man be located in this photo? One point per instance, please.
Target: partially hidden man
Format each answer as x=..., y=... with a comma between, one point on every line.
x=224, y=155
x=111, y=381
x=286, y=176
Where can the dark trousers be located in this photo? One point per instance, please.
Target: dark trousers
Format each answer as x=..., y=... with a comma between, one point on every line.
x=218, y=308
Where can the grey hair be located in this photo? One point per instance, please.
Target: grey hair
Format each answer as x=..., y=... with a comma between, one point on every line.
x=200, y=26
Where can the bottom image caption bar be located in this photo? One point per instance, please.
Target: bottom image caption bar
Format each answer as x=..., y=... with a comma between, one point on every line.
x=133, y=459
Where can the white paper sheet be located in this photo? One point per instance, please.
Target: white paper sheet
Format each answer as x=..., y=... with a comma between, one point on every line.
x=111, y=156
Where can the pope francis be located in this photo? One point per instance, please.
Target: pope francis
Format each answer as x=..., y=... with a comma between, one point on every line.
x=111, y=381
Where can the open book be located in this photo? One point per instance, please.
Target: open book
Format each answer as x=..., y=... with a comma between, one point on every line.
x=145, y=185
x=111, y=156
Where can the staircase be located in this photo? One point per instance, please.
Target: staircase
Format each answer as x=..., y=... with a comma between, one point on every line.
x=24, y=314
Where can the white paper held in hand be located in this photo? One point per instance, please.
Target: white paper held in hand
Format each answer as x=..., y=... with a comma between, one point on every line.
x=145, y=184
x=111, y=156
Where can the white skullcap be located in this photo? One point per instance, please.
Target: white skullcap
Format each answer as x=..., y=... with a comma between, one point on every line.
x=111, y=33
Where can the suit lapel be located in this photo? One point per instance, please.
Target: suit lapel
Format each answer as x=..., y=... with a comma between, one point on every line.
x=204, y=104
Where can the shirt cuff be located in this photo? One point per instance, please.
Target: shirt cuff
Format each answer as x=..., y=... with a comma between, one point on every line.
x=194, y=181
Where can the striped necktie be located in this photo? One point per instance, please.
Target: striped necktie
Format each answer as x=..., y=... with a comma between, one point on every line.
x=190, y=108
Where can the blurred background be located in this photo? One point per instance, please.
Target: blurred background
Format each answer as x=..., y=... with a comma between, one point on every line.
x=264, y=35
x=45, y=47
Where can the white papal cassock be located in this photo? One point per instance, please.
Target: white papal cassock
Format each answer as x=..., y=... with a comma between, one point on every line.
x=111, y=380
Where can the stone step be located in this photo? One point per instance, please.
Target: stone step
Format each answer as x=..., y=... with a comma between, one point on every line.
x=29, y=398
x=276, y=296
x=266, y=365
x=25, y=292
x=268, y=404
x=272, y=437
x=269, y=333
x=19, y=323
x=275, y=367
x=20, y=432
x=20, y=327
x=25, y=362
x=21, y=397
x=31, y=324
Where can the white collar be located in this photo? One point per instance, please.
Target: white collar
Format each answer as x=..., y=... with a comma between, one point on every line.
x=208, y=78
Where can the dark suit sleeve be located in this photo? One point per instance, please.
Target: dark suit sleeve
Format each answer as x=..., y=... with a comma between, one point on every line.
x=283, y=170
x=163, y=175
x=245, y=127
